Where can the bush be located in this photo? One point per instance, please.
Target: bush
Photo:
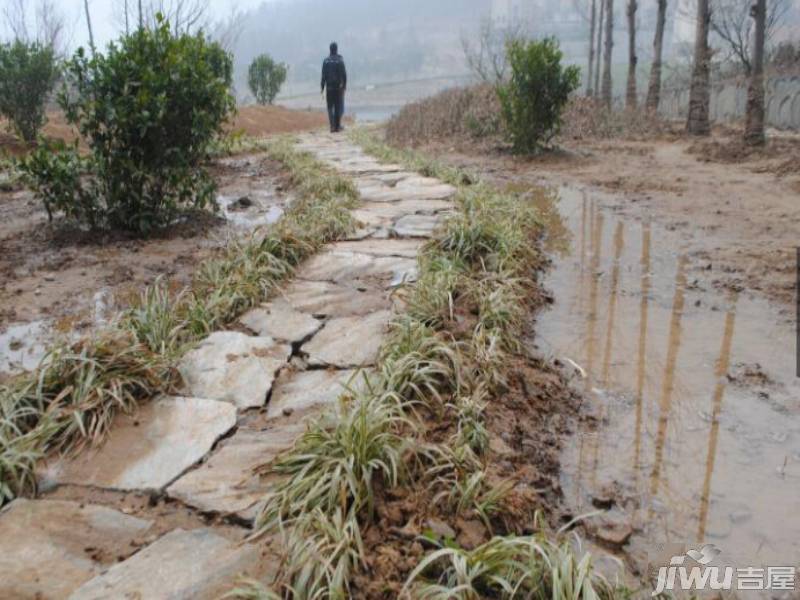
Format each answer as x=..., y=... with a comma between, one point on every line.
x=149, y=110
x=265, y=78
x=532, y=101
x=28, y=73
x=469, y=112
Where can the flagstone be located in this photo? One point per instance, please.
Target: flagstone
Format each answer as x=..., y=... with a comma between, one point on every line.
x=48, y=548
x=280, y=321
x=225, y=483
x=181, y=565
x=234, y=367
x=348, y=341
x=149, y=449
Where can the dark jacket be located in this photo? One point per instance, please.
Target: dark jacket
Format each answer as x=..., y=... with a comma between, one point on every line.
x=334, y=74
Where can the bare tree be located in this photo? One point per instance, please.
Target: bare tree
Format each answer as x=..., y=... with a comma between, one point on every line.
x=89, y=26
x=599, y=51
x=48, y=23
x=590, y=75
x=227, y=31
x=184, y=16
x=630, y=90
x=606, y=89
x=733, y=24
x=698, y=122
x=754, y=119
x=654, y=86
x=487, y=57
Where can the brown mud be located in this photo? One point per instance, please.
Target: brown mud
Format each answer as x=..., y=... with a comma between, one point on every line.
x=58, y=279
x=673, y=284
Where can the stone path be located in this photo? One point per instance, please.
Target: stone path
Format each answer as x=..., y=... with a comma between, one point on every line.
x=247, y=398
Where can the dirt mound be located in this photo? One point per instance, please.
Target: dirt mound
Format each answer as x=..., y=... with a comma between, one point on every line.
x=260, y=121
x=732, y=150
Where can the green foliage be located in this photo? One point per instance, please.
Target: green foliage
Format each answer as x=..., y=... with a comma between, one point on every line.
x=149, y=110
x=533, y=100
x=265, y=78
x=28, y=73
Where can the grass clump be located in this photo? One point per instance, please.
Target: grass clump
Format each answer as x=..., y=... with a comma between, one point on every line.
x=509, y=567
x=72, y=398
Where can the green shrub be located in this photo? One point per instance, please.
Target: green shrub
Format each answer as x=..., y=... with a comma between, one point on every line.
x=265, y=78
x=532, y=101
x=28, y=73
x=148, y=109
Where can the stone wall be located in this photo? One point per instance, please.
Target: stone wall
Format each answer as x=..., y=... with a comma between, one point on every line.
x=729, y=99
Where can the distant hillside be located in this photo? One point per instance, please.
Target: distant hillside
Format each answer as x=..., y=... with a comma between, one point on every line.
x=381, y=40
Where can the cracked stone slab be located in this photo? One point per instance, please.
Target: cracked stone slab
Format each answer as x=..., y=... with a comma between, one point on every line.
x=300, y=390
x=408, y=248
x=328, y=299
x=190, y=565
x=416, y=226
x=150, y=449
x=48, y=548
x=234, y=367
x=348, y=341
x=280, y=321
x=338, y=266
x=225, y=483
x=358, y=166
x=416, y=188
x=395, y=210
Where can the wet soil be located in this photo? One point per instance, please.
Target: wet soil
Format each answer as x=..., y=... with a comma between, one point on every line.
x=673, y=316
x=56, y=279
x=736, y=209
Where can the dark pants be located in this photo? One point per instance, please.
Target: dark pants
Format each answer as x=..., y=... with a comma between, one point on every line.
x=335, y=108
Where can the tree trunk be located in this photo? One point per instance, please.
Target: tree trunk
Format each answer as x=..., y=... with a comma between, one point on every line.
x=654, y=88
x=89, y=26
x=630, y=90
x=606, y=93
x=599, y=51
x=754, y=120
x=589, y=90
x=700, y=90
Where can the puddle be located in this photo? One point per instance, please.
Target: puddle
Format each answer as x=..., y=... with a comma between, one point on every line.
x=252, y=210
x=699, y=407
x=22, y=346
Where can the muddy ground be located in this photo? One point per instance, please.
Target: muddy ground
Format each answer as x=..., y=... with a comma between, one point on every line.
x=739, y=211
x=58, y=279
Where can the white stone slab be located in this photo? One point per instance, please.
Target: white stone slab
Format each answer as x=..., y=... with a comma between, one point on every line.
x=348, y=341
x=234, y=367
x=280, y=321
x=151, y=448
x=48, y=548
x=408, y=248
x=328, y=299
x=416, y=226
x=300, y=390
x=339, y=266
x=226, y=483
x=181, y=565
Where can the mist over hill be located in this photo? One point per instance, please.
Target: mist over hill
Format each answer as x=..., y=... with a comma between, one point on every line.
x=381, y=40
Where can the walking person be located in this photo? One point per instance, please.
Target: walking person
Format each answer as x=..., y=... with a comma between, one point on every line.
x=334, y=79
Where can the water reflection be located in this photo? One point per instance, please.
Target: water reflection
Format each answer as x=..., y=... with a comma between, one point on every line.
x=723, y=363
x=692, y=450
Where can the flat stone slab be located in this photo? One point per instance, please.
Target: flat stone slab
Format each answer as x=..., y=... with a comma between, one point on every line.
x=234, y=367
x=151, y=448
x=416, y=226
x=190, y=565
x=299, y=390
x=348, y=341
x=338, y=266
x=226, y=483
x=395, y=210
x=407, y=248
x=48, y=548
x=412, y=188
x=280, y=321
x=328, y=299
